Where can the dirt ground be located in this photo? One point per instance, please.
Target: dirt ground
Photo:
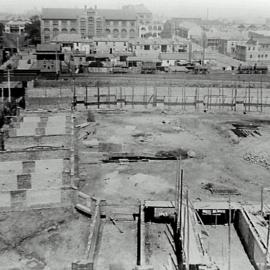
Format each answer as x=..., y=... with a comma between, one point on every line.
x=216, y=159
x=217, y=155
x=42, y=239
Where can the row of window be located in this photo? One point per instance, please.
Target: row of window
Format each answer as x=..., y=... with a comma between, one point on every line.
x=120, y=23
x=260, y=56
x=150, y=28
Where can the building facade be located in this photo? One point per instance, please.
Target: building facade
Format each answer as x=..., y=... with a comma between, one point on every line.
x=254, y=51
x=150, y=30
x=16, y=27
x=88, y=23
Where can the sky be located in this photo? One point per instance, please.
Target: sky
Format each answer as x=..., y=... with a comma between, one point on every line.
x=167, y=8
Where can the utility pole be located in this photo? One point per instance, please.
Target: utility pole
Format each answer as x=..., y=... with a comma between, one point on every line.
x=267, y=246
x=262, y=201
x=229, y=236
x=188, y=231
x=9, y=89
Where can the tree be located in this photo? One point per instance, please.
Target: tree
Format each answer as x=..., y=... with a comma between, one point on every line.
x=32, y=30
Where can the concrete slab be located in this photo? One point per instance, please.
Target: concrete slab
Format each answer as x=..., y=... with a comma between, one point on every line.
x=49, y=165
x=46, y=181
x=11, y=167
x=8, y=182
x=43, y=197
x=5, y=200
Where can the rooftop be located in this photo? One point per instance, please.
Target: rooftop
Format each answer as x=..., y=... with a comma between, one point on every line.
x=117, y=14
x=61, y=13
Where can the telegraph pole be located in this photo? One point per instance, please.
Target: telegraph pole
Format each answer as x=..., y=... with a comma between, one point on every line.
x=9, y=89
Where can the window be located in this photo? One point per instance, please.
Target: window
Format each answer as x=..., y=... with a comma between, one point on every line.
x=146, y=47
x=124, y=23
x=266, y=56
x=97, y=43
x=115, y=23
x=132, y=23
x=249, y=48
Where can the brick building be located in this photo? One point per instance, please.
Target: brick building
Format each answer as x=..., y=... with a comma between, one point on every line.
x=254, y=51
x=88, y=23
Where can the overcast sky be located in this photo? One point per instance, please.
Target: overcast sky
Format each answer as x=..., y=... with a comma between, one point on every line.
x=168, y=8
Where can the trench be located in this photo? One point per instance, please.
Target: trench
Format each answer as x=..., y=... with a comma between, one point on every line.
x=238, y=254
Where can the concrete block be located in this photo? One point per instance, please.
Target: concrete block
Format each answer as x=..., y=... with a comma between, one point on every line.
x=8, y=182
x=40, y=131
x=24, y=181
x=44, y=119
x=28, y=166
x=46, y=180
x=66, y=179
x=27, y=118
x=26, y=132
x=42, y=124
x=43, y=197
x=5, y=200
x=67, y=196
x=82, y=265
x=49, y=165
x=18, y=198
x=12, y=132
x=10, y=167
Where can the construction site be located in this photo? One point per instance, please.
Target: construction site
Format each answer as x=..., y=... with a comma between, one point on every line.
x=137, y=172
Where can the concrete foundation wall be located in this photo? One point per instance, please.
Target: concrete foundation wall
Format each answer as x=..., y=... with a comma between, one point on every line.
x=252, y=245
x=31, y=141
x=34, y=155
x=23, y=199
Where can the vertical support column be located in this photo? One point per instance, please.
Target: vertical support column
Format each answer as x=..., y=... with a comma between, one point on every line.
x=75, y=148
x=155, y=97
x=132, y=98
x=140, y=237
x=2, y=141
x=121, y=98
x=188, y=231
x=229, y=236
x=98, y=96
x=86, y=98
x=145, y=97
x=109, y=97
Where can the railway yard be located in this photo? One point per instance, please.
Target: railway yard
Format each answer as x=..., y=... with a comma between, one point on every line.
x=118, y=173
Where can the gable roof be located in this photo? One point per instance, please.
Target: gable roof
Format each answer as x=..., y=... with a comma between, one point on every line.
x=117, y=14
x=61, y=13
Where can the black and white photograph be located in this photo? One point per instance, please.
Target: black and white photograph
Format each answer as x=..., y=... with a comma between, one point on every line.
x=134, y=135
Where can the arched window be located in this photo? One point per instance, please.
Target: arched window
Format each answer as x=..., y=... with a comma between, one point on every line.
x=55, y=31
x=123, y=33
x=115, y=33
x=64, y=30
x=73, y=30
x=132, y=33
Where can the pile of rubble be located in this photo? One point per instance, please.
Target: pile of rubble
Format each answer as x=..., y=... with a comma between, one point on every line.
x=261, y=159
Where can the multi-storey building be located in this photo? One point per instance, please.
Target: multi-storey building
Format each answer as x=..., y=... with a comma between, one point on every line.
x=17, y=27
x=88, y=23
x=151, y=30
x=254, y=51
x=156, y=46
